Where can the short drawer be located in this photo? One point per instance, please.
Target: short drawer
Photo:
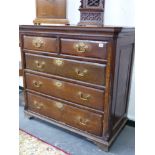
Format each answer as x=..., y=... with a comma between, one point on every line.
x=86, y=96
x=72, y=116
x=40, y=43
x=84, y=48
x=78, y=70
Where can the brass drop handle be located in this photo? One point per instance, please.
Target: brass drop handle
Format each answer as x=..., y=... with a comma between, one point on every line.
x=40, y=65
x=38, y=105
x=38, y=43
x=81, y=73
x=84, y=97
x=83, y=122
x=81, y=47
x=37, y=84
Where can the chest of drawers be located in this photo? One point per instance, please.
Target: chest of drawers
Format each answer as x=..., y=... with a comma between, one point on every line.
x=78, y=78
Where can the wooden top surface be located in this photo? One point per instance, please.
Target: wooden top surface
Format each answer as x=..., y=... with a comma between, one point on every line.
x=72, y=27
x=107, y=29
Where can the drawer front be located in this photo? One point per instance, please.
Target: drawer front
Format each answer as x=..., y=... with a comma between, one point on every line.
x=84, y=48
x=40, y=43
x=75, y=117
x=83, y=71
x=89, y=97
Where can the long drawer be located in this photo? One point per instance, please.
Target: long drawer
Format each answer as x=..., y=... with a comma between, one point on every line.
x=75, y=117
x=86, y=96
x=88, y=72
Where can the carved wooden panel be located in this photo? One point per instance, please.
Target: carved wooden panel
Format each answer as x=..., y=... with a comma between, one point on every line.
x=92, y=12
x=93, y=2
x=92, y=17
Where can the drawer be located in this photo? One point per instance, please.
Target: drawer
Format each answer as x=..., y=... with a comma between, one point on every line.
x=84, y=48
x=86, y=96
x=78, y=70
x=40, y=43
x=75, y=117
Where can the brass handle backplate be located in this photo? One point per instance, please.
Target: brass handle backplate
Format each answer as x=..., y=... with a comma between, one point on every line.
x=37, y=84
x=38, y=43
x=40, y=65
x=81, y=47
x=38, y=105
x=81, y=73
x=84, y=97
x=82, y=121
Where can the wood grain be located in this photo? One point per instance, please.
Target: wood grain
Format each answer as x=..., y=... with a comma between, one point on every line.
x=46, y=44
x=81, y=119
x=96, y=49
x=68, y=91
x=78, y=70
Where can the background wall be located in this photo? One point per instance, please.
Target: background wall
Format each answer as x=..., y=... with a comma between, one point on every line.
x=117, y=13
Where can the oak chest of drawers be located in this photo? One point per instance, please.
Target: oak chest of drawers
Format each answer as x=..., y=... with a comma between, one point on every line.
x=78, y=78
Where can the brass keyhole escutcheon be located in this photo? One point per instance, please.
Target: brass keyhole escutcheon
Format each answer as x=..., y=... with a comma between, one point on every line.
x=59, y=105
x=58, y=84
x=58, y=62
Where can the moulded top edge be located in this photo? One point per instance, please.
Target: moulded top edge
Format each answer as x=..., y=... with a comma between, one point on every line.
x=107, y=29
